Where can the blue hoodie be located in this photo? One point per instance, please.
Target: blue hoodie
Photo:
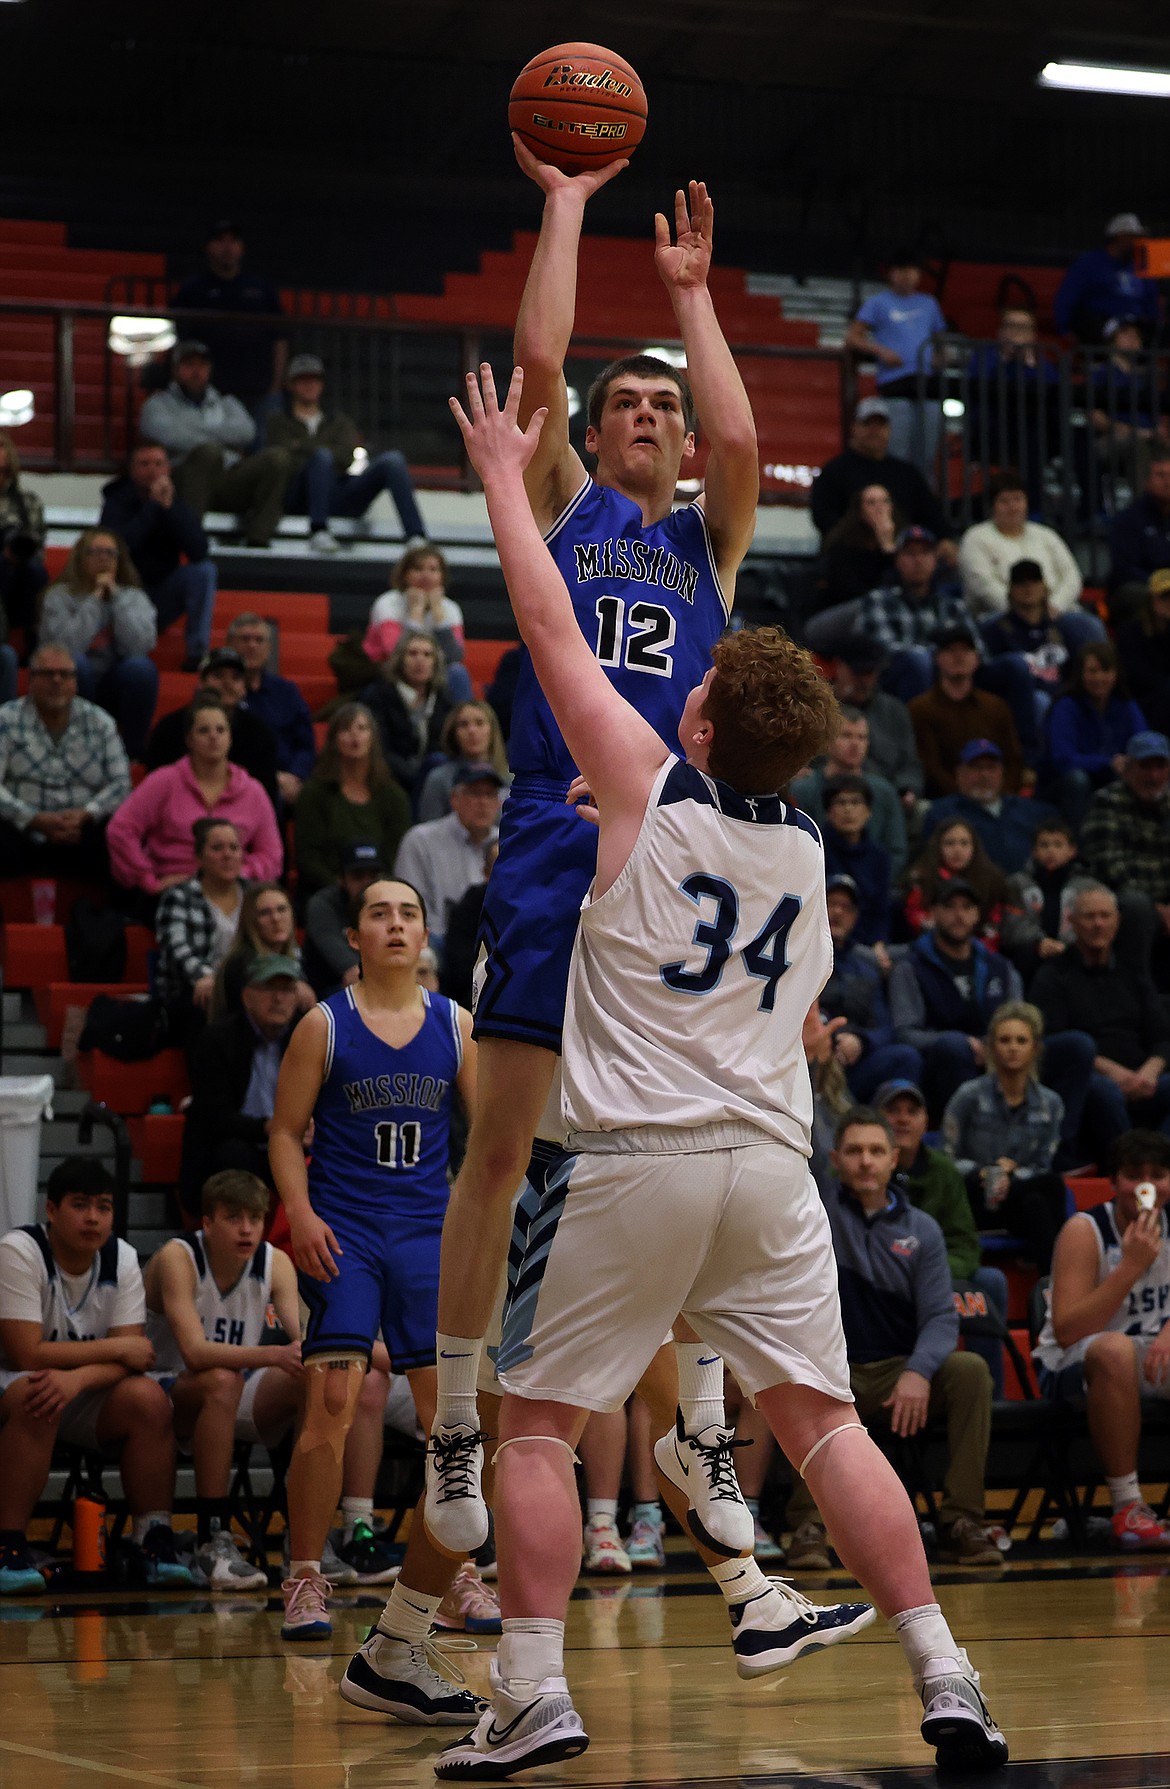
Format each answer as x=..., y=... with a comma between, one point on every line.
x=896, y=1296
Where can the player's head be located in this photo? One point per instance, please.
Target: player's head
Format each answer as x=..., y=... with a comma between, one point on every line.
x=1141, y=1156
x=79, y=1198
x=760, y=714
x=388, y=925
x=641, y=422
x=234, y=1205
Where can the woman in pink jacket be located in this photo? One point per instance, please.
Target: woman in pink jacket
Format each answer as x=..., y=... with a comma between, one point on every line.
x=150, y=838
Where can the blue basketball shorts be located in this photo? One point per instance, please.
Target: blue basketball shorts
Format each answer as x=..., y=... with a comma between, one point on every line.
x=387, y=1279
x=531, y=908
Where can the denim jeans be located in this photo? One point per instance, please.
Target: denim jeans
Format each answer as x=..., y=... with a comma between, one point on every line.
x=320, y=491
x=127, y=689
x=189, y=590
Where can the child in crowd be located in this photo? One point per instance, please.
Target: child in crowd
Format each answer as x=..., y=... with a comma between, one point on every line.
x=1036, y=923
x=952, y=850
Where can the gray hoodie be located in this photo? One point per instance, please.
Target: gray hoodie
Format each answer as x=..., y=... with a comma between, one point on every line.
x=178, y=423
x=128, y=619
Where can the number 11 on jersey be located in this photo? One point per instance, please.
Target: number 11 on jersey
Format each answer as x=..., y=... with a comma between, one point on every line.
x=397, y=1145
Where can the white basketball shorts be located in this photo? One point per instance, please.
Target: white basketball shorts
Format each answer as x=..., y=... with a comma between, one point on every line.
x=736, y=1239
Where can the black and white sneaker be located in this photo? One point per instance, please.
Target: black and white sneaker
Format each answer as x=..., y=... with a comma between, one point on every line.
x=956, y=1720
x=778, y=1625
x=454, y=1509
x=530, y=1724
x=703, y=1468
x=395, y=1678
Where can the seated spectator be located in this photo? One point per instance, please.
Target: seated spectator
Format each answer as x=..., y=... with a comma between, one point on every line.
x=150, y=836
x=1005, y=825
x=901, y=1334
x=250, y=357
x=858, y=553
x=1088, y=988
x=955, y=849
x=944, y=991
x=897, y=327
x=330, y=960
x=856, y=992
x=1089, y=728
x=207, y=1302
x=165, y=539
x=1102, y=284
x=471, y=735
x=461, y=939
x=903, y=611
x=1013, y=407
x=1106, y=1341
x=1003, y=1132
x=867, y=460
x=892, y=750
x=1139, y=541
x=267, y=928
x=847, y=756
x=276, y=702
x=1125, y=841
x=953, y=713
x=108, y=623
x=234, y=1066
x=410, y=702
x=22, y=544
x=1126, y=405
x=988, y=550
x=208, y=436
x=74, y=1367
x=320, y=445
x=931, y=1183
x=350, y=798
x=851, y=851
x=1143, y=646
x=1038, y=921
x=1031, y=628
x=195, y=926
x=443, y=858
x=63, y=771
x=253, y=744
x=417, y=603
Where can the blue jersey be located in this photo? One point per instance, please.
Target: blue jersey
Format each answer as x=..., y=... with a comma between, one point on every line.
x=383, y=1116
x=648, y=602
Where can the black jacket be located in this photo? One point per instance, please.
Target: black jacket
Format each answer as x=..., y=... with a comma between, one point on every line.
x=221, y=1067
x=1139, y=542
x=1118, y=1007
x=399, y=739
x=851, y=471
x=156, y=538
x=253, y=748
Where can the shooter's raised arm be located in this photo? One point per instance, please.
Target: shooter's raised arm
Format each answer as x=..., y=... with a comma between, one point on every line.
x=732, y=483
x=544, y=328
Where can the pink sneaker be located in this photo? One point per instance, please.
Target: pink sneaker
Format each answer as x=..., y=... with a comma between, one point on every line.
x=470, y=1606
x=1137, y=1529
x=306, y=1609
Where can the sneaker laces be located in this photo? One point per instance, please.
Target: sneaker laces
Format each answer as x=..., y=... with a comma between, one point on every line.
x=719, y=1465
x=428, y=1655
x=807, y=1610
x=453, y=1456
x=311, y=1591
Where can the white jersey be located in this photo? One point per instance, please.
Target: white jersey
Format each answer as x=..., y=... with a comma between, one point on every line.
x=1146, y=1305
x=68, y=1307
x=692, y=975
x=237, y=1316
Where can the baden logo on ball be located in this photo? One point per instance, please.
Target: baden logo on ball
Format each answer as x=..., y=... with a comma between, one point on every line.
x=577, y=106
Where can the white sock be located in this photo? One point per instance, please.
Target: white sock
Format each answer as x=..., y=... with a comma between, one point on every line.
x=457, y=1360
x=154, y=1518
x=408, y=1615
x=739, y=1579
x=601, y=1509
x=1124, y=1490
x=304, y=1568
x=356, y=1509
x=531, y=1648
x=925, y=1636
x=700, y=1386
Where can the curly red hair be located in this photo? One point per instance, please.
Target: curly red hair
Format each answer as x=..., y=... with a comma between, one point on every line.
x=771, y=708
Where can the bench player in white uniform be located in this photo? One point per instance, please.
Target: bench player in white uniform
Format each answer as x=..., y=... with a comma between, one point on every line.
x=1107, y=1334
x=703, y=943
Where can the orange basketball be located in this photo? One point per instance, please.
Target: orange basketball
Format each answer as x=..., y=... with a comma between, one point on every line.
x=578, y=106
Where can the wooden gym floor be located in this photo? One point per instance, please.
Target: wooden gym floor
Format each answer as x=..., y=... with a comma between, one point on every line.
x=196, y=1693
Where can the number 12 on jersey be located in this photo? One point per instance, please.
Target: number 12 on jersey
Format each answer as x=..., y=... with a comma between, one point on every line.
x=645, y=647
x=398, y=1145
x=765, y=957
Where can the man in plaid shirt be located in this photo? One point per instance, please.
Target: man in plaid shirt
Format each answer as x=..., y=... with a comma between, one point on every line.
x=63, y=771
x=1125, y=842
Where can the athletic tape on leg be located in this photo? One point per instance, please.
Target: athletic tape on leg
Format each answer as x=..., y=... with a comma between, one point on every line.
x=554, y=1440
x=324, y=1425
x=814, y=1450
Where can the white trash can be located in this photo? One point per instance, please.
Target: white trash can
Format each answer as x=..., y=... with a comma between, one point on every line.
x=24, y=1101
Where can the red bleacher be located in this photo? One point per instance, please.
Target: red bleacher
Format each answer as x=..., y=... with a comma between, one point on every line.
x=132, y=1087
x=33, y=956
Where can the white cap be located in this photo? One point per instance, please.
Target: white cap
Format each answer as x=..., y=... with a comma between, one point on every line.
x=1126, y=223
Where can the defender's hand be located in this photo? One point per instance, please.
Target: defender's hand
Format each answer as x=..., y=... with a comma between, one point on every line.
x=552, y=180
x=580, y=796
x=685, y=264
x=496, y=444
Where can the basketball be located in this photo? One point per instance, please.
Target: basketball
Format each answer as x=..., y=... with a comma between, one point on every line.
x=578, y=106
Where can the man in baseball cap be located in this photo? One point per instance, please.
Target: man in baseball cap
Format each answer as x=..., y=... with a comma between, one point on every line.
x=1125, y=841
x=1102, y=284
x=253, y=748
x=856, y=992
x=330, y=961
x=869, y=460
x=1006, y=824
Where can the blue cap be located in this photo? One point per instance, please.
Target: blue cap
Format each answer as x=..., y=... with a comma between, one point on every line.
x=890, y=1090
x=979, y=748
x=1148, y=745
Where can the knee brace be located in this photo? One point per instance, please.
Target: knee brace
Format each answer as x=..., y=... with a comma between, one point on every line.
x=814, y=1450
x=333, y=1387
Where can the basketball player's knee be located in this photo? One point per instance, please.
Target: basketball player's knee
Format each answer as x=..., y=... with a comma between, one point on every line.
x=333, y=1388
x=221, y=1387
x=145, y=1405
x=1112, y=1358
